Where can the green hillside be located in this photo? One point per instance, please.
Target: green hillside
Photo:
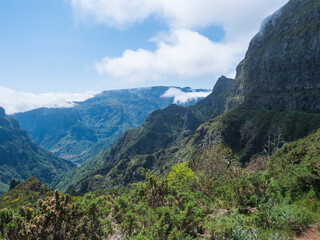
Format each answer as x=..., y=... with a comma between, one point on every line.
x=191, y=202
x=162, y=129
x=244, y=163
x=21, y=158
x=29, y=191
x=79, y=133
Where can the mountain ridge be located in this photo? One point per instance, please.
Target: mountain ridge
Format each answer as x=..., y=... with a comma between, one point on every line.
x=162, y=129
x=81, y=132
x=257, y=109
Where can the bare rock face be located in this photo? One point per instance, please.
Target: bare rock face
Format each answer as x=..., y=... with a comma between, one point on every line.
x=281, y=70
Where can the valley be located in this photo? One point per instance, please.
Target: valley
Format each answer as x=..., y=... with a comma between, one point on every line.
x=241, y=163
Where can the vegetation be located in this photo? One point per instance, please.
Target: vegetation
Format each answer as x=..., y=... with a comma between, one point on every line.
x=29, y=191
x=80, y=133
x=21, y=158
x=158, y=145
x=278, y=203
x=150, y=146
x=207, y=194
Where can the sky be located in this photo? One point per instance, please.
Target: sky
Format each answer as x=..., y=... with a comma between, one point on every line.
x=57, y=51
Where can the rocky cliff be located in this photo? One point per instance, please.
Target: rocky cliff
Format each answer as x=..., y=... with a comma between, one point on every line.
x=282, y=66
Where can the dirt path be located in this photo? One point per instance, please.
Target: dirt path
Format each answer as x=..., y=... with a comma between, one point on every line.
x=310, y=234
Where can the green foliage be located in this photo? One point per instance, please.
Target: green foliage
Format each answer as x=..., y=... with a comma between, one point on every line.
x=29, y=191
x=58, y=217
x=154, y=145
x=180, y=175
x=81, y=132
x=296, y=167
x=294, y=218
x=247, y=132
x=21, y=158
x=241, y=205
x=213, y=164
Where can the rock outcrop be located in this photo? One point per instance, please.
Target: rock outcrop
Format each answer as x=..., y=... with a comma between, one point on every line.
x=281, y=70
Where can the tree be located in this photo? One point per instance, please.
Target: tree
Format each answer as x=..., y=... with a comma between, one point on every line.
x=275, y=141
x=13, y=184
x=212, y=164
x=180, y=174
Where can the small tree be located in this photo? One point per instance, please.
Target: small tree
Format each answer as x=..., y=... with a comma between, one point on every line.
x=180, y=174
x=212, y=164
x=274, y=142
x=13, y=184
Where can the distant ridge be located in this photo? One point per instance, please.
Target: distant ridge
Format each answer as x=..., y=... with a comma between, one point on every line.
x=81, y=132
x=143, y=146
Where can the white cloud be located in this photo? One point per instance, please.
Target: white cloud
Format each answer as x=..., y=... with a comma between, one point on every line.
x=114, y=12
x=14, y=101
x=233, y=15
x=183, y=53
x=181, y=97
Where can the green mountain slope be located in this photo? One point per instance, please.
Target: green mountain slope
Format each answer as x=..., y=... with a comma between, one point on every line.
x=81, y=132
x=280, y=202
x=275, y=99
x=21, y=158
x=29, y=191
x=163, y=129
x=252, y=133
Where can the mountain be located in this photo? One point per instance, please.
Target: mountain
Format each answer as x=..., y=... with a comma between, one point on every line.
x=137, y=148
x=282, y=65
x=280, y=201
x=21, y=158
x=276, y=94
x=211, y=196
x=81, y=132
x=274, y=99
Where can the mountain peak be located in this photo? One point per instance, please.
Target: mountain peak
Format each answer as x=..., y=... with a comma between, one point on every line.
x=222, y=83
x=2, y=112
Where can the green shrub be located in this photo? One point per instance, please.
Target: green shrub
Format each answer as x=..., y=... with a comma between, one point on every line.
x=294, y=218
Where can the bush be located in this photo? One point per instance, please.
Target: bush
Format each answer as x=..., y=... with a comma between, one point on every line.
x=296, y=218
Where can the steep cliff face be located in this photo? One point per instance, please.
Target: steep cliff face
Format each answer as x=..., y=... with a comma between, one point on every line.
x=282, y=66
x=276, y=93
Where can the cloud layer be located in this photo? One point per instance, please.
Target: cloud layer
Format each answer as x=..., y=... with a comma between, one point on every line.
x=234, y=15
x=181, y=97
x=14, y=101
x=181, y=52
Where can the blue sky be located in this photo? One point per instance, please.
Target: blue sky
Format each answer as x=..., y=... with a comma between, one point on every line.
x=81, y=46
x=43, y=48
